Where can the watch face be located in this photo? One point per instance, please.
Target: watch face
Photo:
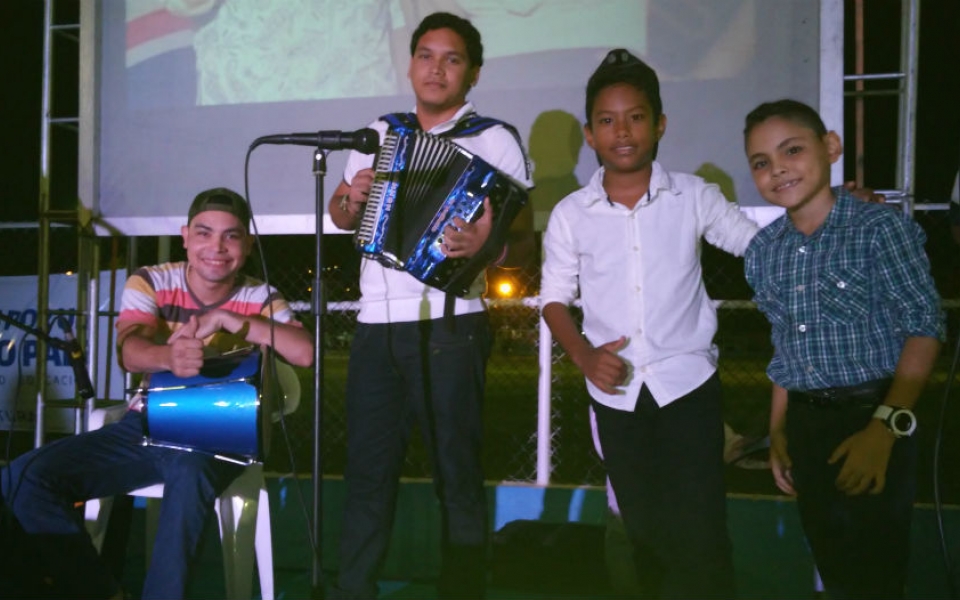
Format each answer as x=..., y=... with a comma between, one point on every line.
x=902, y=421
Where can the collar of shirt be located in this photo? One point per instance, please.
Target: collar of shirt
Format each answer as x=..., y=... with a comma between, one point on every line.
x=466, y=109
x=840, y=216
x=660, y=181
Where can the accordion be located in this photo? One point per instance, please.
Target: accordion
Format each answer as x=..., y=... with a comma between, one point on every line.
x=421, y=182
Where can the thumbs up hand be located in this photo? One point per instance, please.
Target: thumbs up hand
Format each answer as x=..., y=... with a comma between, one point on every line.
x=604, y=367
x=186, y=350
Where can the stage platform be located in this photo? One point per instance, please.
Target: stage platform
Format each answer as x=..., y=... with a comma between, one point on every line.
x=770, y=556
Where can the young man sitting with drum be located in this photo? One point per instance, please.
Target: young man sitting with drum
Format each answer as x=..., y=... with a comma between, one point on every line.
x=172, y=316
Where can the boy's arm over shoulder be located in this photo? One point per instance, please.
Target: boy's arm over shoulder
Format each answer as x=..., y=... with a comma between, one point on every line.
x=760, y=242
x=753, y=259
x=723, y=223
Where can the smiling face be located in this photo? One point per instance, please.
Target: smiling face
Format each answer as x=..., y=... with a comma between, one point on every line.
x=624, y=129
x=441, y=73
x=790, y=165
x=217, y=246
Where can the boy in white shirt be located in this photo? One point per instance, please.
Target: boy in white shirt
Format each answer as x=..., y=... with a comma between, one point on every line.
x=629, y=243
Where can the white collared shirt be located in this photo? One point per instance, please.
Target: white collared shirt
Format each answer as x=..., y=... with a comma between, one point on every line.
x=637, y=272
x=392, y=296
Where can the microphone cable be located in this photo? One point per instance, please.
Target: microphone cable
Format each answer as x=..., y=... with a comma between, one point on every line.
x=314, y=544
x=937, y=499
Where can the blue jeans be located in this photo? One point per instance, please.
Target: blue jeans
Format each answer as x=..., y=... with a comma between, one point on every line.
x=42, y=487
x=429, y=374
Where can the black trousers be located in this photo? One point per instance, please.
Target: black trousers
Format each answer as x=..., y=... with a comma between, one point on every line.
x=432, y=375
x=666, y=468
x=861, y=544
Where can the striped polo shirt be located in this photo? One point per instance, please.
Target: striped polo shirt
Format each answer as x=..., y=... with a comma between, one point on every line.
x=158, y=297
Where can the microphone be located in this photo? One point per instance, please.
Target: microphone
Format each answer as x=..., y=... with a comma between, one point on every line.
x=366, y=140
x=81, y=379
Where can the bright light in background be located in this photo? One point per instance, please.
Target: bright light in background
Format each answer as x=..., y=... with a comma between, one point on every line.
x=505, y=288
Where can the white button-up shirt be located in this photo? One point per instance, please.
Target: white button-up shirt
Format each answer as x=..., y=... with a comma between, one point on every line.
x=637, y=272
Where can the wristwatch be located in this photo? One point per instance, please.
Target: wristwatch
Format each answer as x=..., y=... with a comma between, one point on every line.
x=900, y=421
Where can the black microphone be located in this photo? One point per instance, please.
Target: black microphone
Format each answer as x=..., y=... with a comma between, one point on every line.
x=366, y=141
x=81, y=379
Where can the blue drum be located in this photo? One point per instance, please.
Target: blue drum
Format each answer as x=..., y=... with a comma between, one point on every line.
x=218, y=411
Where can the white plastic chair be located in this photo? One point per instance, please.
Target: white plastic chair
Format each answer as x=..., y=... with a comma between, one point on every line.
x=243, y=510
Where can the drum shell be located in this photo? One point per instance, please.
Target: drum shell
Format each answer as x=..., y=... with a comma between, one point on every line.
x=217, y=412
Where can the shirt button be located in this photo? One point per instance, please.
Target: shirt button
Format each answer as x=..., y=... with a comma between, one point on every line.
x=802, y=250
x=810, y=369
x=802, y=328
x=801, y=287
x=842, y=285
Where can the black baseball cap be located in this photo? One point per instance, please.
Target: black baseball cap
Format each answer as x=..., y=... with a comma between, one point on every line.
x=224, y=200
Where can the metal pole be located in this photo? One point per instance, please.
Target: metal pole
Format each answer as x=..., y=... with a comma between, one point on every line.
x=544, y=391
x=859, y=142
x=909, y=55
x=43, y=207
x=831, y=73
x=317, y=591
x=93, y=332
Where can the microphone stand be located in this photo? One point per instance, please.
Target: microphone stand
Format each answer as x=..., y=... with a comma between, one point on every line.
x=57, y=343
x=319, y=310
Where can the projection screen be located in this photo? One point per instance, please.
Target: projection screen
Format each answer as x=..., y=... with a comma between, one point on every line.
x=177, y=90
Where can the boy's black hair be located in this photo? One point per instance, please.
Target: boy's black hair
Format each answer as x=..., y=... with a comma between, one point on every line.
x=619, y=66
x=791, y=110
x=459, y=25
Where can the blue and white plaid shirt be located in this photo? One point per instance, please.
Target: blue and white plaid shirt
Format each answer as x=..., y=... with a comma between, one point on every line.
x=841, y=302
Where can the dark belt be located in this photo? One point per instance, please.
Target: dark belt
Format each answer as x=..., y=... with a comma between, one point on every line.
x=863, y=394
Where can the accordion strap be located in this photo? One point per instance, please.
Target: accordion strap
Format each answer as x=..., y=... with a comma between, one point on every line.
x=468, y=125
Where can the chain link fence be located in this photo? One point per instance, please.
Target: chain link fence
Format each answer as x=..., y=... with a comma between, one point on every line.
x=511, y=412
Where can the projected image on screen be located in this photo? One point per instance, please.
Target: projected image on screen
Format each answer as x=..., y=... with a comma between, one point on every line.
x=255, y=51
x=186, y=86
x=160, y=51
x=243, y=51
